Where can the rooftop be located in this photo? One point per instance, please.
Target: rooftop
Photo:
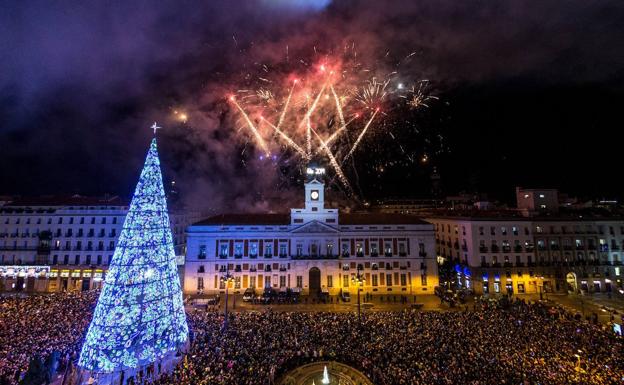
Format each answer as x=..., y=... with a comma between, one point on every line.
x=67, y=200
x=284, y=219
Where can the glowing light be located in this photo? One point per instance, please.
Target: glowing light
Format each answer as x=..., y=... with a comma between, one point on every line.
x=139, y=317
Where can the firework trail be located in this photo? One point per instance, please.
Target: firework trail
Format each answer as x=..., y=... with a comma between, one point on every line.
x=359, y=138
x=252, y=127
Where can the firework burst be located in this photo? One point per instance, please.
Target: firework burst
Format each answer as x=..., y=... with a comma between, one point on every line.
x=327, y=109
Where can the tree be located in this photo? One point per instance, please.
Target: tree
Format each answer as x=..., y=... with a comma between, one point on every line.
x=139, y=317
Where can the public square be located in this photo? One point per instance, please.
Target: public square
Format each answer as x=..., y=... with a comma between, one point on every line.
x=476, y=344
x=311, y=192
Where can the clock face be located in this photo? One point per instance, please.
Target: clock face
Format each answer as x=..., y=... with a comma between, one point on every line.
x=314, y=195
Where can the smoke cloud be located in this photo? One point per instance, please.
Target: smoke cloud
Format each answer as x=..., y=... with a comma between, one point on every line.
x=80, y=83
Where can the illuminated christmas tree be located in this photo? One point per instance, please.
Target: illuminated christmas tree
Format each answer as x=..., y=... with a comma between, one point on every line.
x=139, y=318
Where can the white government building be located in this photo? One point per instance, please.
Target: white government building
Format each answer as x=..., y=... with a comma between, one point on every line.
x=312, y=249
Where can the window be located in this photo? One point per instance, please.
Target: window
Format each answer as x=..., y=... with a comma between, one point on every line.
x=238, y=249
x=200, y=283
x=402, y=250
x=77, y=260
x=299, y=249
x=375, y=280
x=268, y=249
x=403, y=280
x=88, y=260
x=358, y=249
x=253, y=249
x=99, y=259
x=373, y=248
x=223, y=251
x=503, y=230
x=388, y=248
x=423, y=279
x=330, y=281
x=514, y=230
x=282, y=281
x=299, y=281
x=201, y=269
x=388, y=279
x=283, y=249
x=202, y=252
x=314, y=195
x=481, y=230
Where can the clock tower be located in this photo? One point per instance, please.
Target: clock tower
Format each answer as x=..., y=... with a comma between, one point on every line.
x=314, y=200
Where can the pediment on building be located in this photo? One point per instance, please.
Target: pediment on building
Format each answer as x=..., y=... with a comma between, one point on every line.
x=314, y=227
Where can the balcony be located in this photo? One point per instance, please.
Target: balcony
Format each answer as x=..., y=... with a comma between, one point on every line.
x=253, y=256
x=238, y=256
x=283, y=255
x=554, y=247
x=374, y=267
x=359, y=254
x=483, y=249
x=507, y=264
x=494, y=249
x=223, y=256
x=268, y=255
x=388, y=254
x=282, y=269
x=267, y=268
x=374, y=254
x=519, y=264
x=518, y=249
x=506, y=249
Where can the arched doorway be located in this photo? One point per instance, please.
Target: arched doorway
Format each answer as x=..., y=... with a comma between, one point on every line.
x=314, y=280
x=571, y=280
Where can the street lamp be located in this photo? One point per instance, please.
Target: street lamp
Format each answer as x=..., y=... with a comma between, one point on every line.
x=226, y=278
x=358, y=281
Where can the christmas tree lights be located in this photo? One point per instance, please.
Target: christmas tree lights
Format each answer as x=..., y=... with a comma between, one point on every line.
x=139, y=317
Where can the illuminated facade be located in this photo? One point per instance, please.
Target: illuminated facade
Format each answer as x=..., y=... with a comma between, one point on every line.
x=66, y=243
x=312, y=249
x=139, y=318
x=499, y=255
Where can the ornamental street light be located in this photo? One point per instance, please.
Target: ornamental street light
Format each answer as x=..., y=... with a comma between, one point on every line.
x=358, y=280
x=226, y=279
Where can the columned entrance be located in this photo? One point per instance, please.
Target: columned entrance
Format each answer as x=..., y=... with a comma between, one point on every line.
x=314, y=280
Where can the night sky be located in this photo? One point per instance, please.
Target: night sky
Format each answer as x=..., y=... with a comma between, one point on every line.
x=530, y=93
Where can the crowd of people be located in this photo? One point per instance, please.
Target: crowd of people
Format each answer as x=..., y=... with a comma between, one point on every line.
x=39, y=326
x=510, y=343
x=519, y=344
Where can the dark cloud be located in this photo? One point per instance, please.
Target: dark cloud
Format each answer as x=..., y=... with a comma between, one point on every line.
x=80, y=82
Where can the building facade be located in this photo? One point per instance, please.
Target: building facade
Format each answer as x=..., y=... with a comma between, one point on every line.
x=56, y=244
x=500, y=255
x=311, y=250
